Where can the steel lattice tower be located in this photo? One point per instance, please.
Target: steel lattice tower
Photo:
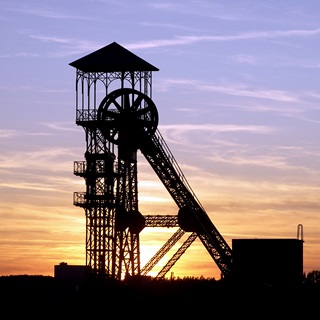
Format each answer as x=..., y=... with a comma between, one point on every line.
x=113, y=220
x=115, y=108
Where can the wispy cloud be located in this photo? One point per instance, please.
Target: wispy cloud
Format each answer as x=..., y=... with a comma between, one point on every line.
x=232, y=89
x=47, y=13
x=51, y=39
x=41, y=158
x=260, y=35
x=167, y=25
x=36, y=186
x=74, y=46
x=9, y=133
x=34, y=89
x=69, y=46
x=20, y=55
x=62, y=126
x=217, y=128
x=180, y=133
x=238, y=159
x=278, y=95
x=199, y=8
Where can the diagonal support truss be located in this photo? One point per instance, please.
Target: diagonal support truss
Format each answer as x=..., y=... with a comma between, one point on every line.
x=161, y=253
x=192, y=216
x=176, y=256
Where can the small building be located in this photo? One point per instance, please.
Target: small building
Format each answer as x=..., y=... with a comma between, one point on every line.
x=70, y=273
x=270, y=262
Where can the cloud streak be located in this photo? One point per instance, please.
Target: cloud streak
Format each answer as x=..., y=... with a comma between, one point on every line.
x=189, y=128
x=47, y=13
x=74, y=46
x=235, y=90
x=255, y=35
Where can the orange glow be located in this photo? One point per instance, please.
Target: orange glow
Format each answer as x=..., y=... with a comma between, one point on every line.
x=237, y=94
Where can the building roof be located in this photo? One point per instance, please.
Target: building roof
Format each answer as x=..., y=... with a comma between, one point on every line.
x=111, y=58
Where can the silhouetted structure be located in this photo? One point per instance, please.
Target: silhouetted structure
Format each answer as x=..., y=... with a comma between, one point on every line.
x=74, y=274
x=115, y=108
x=268, y=262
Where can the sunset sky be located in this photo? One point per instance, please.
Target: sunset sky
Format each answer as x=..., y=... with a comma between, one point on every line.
x=238, y=96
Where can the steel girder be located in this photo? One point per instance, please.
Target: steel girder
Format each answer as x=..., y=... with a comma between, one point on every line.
x=162, y=161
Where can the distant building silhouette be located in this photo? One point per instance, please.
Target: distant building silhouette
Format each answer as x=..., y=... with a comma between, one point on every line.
x=70, y=273
x=271, y=262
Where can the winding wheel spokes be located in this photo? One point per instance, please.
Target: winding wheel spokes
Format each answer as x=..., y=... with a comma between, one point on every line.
x=126, y=116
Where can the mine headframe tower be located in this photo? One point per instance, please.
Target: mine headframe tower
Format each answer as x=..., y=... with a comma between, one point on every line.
x=115, y=108
x=113, y=221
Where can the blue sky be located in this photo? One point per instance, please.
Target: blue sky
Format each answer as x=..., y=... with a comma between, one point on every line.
x=237, y=93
